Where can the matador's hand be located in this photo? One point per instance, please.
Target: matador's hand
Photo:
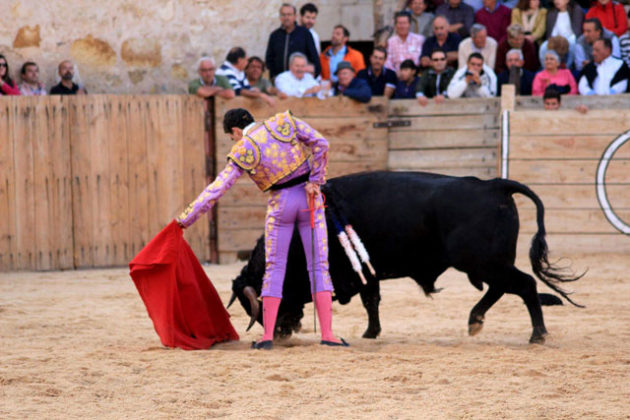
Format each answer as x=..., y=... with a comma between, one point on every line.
x=312, y=188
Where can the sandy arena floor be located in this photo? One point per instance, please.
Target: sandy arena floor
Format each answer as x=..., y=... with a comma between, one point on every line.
x=79, y=344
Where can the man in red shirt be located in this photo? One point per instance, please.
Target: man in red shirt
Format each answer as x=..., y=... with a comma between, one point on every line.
x=495, y=17
x=611, y=14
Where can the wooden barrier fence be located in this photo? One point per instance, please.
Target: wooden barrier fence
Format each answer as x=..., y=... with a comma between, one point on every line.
x=558, y=154
x=86, y=181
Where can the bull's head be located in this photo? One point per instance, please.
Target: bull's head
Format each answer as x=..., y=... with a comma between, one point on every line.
x=247, y=286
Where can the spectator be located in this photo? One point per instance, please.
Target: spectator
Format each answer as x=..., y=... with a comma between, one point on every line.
x=475, y=4
x=476, y=80
x=66, y=86
x=605, y=75
x=495, y=17
x=516, y=39
x=31, y=86
x=254, y=71
x=442, y=39
x=624, y=44
x=208, y=84
x=562, y=47
x=553, y=76
x=532, y=18
x=233, y=68
x=296, y=81
x=434, y=82
x=7, y=85
x=515, y=74
x=551, y=100
x=479, y=42
x=308, y=17
x=565, y=19
x=611, y=15
x=382, y=81
x=339, y=51
x=460, y=16
x=286, y=40
x=349, y=85
x=407, y=81
x=592, y=30
x=421, y=18
x=404, y=44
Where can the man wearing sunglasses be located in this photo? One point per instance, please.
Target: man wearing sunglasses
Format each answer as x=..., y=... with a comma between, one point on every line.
x=434, y=82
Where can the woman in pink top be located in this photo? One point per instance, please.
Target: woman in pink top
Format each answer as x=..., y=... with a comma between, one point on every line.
x=561, y=79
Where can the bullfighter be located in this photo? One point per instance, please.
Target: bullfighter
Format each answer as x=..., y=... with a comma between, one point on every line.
x=275, y=154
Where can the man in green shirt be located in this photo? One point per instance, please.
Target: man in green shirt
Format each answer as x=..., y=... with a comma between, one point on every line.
x=208, y=84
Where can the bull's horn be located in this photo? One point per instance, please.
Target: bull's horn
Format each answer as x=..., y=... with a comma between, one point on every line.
x=253, y=305
x=232, y=299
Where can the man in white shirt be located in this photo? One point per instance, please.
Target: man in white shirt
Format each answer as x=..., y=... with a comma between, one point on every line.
x=308, y=16
x=605, y=75
x=476, y=80
x=296, y=81
x=479, y=42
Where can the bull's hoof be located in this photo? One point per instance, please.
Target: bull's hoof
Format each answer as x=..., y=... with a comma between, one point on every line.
x=475, y=328
x=538, y=336
x=371, y=333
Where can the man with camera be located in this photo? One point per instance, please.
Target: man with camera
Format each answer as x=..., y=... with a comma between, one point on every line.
x=475, y=80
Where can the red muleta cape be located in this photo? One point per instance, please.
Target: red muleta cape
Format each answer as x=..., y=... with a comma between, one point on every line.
x=180, y=299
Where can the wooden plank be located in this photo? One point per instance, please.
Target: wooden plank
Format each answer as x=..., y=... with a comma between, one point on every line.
x=572, y=221
x=244, y=193
x=306, y=108
x=574, y=245
x=450, y=122
x=480, y=172
x=249, y=217
x=193, y=171
x=84, y=113
x=118, y=249
x=138, y=124
x=59, y=122
x=341, y=150
x=569, y=102
x=239, y=239
x=576, y=197
x=563, y=123
x=443, y=139
x=441, y=158
x=564, y=147
x=345, y=168
x=411, y=107
x=24, y=132
x=566, y=171
x=8, y=226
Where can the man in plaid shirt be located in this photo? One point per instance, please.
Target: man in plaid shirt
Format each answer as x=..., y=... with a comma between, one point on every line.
x=404, y=45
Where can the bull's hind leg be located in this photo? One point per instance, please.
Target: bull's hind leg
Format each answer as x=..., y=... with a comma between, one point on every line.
x=478, y=312
x=524, y=285
x=371, y=297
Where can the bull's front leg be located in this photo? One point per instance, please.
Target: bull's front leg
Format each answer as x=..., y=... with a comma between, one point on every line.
x=371, y=297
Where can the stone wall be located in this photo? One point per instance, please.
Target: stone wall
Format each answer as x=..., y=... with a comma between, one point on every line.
x=150, y=46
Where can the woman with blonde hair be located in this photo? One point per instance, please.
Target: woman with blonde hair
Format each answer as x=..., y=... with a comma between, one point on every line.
x=532, y=18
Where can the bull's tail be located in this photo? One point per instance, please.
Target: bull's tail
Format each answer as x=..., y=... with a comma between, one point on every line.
x=549, y=273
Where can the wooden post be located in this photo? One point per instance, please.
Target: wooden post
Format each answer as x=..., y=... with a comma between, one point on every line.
x=508, y=99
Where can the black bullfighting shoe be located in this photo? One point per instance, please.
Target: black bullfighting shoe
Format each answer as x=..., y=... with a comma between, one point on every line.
x=262, y=345
x=333, y=344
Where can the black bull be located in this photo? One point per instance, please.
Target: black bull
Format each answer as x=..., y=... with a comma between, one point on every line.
x=417, y=225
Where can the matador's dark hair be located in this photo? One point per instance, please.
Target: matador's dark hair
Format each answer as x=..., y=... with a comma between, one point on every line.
x=237, y=117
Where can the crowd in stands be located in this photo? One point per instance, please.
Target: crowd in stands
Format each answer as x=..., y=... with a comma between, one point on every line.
x=439, y=49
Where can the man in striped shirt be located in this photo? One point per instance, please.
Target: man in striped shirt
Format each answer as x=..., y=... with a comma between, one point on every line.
x=234, y=70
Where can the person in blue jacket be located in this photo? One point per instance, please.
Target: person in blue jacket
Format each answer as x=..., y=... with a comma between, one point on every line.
x=349, y=85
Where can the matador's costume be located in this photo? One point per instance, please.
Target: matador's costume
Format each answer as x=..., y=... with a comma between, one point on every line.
x=275, y=155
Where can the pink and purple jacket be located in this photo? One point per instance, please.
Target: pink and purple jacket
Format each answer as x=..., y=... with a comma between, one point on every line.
x=272, y=152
